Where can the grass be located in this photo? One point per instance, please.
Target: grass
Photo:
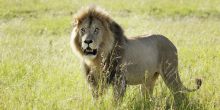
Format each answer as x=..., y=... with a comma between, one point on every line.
x=38, y=70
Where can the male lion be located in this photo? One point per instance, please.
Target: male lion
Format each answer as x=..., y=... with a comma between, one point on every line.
x=109, y=57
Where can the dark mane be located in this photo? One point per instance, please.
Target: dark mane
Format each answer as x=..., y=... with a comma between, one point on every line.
x=91, y=12
x=112, y=63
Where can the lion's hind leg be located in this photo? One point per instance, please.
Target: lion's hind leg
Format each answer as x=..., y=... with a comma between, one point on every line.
x=172, y=80
x=148, y=86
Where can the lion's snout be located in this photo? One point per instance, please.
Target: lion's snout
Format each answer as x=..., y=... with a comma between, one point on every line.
x=89, y=47
x=88, y=41
x=88, y=44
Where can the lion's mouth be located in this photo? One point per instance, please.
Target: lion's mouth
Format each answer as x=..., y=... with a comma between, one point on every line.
x=89, y=51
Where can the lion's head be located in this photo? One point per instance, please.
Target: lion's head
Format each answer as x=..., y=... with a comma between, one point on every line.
x=94, y=33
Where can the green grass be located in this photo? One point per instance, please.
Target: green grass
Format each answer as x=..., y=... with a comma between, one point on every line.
x=39, y=71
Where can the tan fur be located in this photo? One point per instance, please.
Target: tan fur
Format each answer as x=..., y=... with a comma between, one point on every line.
x=135, y=61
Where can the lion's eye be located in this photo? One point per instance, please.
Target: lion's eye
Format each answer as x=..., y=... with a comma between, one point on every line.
x=83, y=30
x=96, y=30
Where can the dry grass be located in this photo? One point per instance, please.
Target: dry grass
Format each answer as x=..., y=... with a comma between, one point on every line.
x=38, y=70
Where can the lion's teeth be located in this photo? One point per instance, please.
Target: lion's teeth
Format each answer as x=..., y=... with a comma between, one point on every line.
x=89, y=50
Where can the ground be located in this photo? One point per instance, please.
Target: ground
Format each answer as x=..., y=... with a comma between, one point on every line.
x=38, y=70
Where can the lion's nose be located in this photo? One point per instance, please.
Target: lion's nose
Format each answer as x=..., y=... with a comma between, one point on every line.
x=88, y=41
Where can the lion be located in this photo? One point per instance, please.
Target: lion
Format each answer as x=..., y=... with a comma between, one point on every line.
x=110, y=58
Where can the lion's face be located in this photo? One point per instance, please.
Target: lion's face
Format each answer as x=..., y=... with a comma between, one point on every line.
x=94, y=34
x=90, y=35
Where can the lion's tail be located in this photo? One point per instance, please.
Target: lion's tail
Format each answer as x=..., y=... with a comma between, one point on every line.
x=198, y=85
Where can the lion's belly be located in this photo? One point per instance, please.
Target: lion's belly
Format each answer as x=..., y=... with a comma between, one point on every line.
x=140, y=61
x=137, y=73
x=134, y=75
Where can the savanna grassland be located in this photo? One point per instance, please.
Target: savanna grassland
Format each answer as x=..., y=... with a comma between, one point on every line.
x=38, y=70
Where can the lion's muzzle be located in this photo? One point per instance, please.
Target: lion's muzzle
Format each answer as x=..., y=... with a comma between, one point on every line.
x=89, y=51
x=89, y=47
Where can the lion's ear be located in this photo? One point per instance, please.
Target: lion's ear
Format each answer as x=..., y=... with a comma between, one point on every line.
x=116, y=29
x=75, y=22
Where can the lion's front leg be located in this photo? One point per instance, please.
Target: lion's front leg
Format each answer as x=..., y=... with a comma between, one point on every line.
x=93, y=85
x=97, y=86
x=91, y=80
x=119, y=87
